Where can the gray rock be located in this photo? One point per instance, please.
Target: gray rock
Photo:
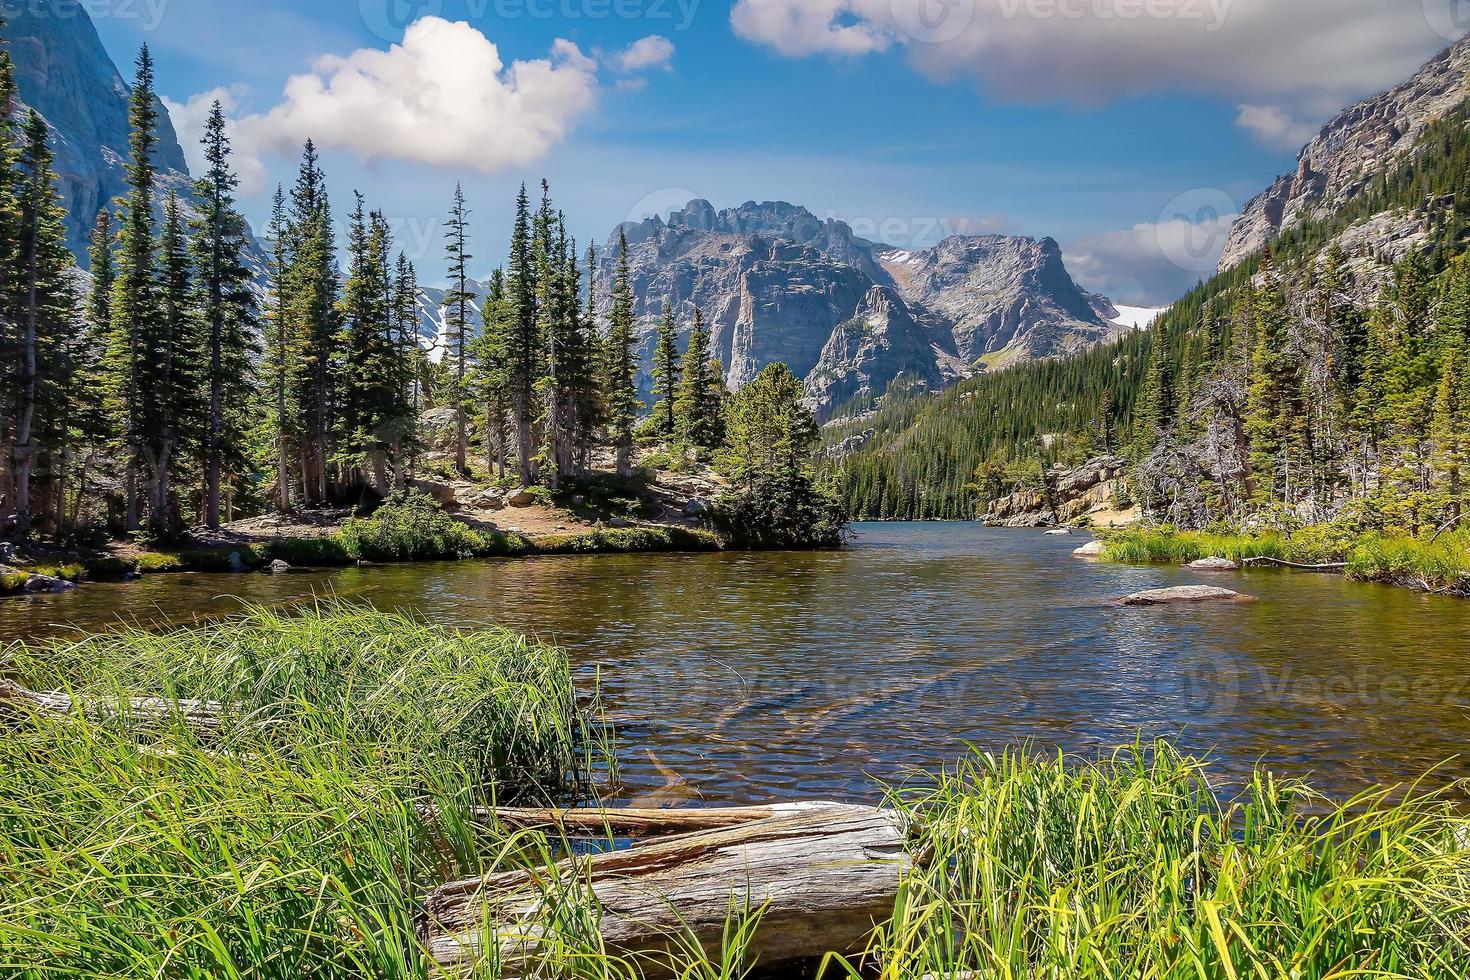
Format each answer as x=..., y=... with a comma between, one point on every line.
x=1339, y=163
x=1059, y=531
x=279, y=567
x=696, y=508
x=442, y=493
x=521, y=498
x=1183, y=594
x=45, y=583
x=237, y=563
x=1215, y=565
x=845, y=314
x=1092, y=549
x=619, y=522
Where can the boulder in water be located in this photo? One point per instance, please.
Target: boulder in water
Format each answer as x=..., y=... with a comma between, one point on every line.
x=1215, y=565
x=1059, y=531
x=1183, y=594
x=1092, y=549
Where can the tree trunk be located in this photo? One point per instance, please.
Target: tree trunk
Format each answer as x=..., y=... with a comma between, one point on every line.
x=822, y=879
x=143, y=712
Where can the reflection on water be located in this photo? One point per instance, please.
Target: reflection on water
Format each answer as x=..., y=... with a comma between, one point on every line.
x=747, y=677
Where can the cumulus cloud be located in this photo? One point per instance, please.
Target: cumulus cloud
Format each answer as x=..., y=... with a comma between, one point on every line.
x=653, y=51
x=1274, y=126
x=1150, y=264
x=1087, y=51
x=189, y=119
x=443, y=97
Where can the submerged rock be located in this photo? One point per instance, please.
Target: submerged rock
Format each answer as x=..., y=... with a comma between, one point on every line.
x=1092, y=549
x=1183, y=594
x=279, y=567
x=1059, y=531
x=1215, y=565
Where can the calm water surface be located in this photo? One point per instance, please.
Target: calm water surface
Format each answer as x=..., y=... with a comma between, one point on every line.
x=738, y=678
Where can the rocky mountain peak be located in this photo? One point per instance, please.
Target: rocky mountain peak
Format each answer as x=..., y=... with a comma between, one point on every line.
x=1362, y=142
x=65, y=74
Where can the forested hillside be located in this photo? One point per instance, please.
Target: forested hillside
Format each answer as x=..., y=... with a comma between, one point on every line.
x=1323, y=378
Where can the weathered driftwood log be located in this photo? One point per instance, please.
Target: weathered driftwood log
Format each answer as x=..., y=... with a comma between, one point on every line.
x=200, y=715
x=636, y=822
x=1335, y=566
x=823, y=878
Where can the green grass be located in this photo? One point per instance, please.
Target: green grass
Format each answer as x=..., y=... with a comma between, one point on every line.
x=298, y=839
x=1441, y=564
x=1132, y=867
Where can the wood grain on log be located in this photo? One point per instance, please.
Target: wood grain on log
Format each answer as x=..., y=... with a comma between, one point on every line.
x=203, y=715
x=822, y=877
x=636, y=822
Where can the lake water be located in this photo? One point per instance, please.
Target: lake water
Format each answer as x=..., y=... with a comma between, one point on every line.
x=750, y=677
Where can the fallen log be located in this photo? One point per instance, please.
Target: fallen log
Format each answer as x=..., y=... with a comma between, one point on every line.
x=1330, y=567
x=200, y=715
x=635, y=822
x=822, y=878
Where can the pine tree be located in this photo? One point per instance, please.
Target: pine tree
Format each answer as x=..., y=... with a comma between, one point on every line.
x=457, y=338
x=666, y=367
x=696, y=406
x=135, y=297
x=621, y=365
x=1158, y=401
x=104, y=274
x=229, y=313
x=1273, y=383
x=48, y=348
x=491, y=381
x=411, y=360
x=373, y=412
x=171, y=377
x=312, y=290
x=524, y=345
x=283, y=361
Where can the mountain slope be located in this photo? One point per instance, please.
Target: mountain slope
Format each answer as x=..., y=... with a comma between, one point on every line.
x=778, y=284
x=63, y=72
x=1364, y=141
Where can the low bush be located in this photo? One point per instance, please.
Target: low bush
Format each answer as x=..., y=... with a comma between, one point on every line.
x=631, y=539
x=409, y=526
x=774, y=513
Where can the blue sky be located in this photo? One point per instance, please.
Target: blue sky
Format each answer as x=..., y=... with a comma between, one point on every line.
x=1105, y=125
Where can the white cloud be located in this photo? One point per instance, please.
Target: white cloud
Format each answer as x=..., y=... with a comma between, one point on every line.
x=1150, y=264
x=1274, y=126
x=443, y=97
x=801, y=27
x=653, y=51
x=1088, y=51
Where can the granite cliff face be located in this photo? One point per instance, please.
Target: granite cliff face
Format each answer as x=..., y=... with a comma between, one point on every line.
x=850, y=316
x=1361, y=143
x=1008, y=299
x=64, y=73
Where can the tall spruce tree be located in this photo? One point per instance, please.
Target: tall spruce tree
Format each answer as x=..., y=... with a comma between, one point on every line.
x=135, y=322
x=696, y=404
x=49, y=351
x=457, y=337
x=524, y=345
x=312, y=289
x=666, y=368
x=621, y=365
x=282, y=359
x=229, y=312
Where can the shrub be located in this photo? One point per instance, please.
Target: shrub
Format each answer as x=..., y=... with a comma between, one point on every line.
x=409, y=526
x=628, y=540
